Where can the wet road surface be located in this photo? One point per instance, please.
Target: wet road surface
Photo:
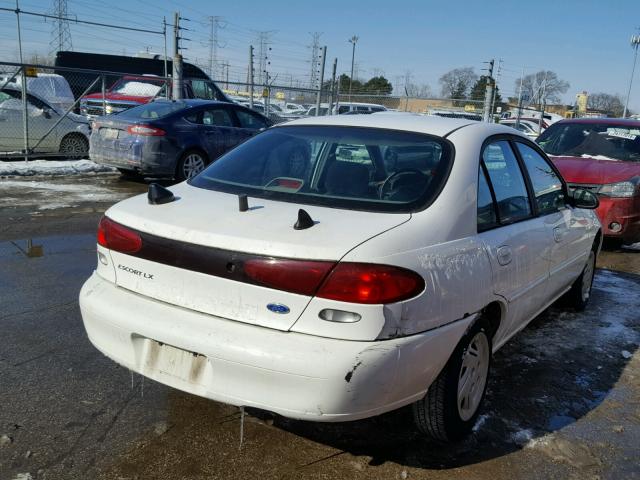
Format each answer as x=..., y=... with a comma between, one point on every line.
x=563, y=400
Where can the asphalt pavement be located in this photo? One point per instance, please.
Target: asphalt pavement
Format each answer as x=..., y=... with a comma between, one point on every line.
x=563, y=400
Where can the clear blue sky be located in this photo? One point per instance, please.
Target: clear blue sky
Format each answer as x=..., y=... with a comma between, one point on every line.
x=586, y=42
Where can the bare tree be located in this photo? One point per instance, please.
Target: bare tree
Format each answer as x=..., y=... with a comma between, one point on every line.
x=420, y=91
x=457, y=83
x=542, y=87
x=605, y=102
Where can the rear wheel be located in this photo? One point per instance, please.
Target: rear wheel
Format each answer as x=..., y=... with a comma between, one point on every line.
x=74, y=146
x=450, y=408
x=580, y=293
x=190, y=164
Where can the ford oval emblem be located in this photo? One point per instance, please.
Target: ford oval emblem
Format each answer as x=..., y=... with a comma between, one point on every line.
x=278, y=308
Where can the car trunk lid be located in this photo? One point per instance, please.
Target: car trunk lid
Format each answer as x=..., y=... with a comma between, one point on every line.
x=201, y=243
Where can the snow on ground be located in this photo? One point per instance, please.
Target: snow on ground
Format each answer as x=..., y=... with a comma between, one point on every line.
x=21, y=168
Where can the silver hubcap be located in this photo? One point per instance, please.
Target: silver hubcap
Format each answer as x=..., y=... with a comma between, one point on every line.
x=473, y=375
x=587, y=278
x=192, y=165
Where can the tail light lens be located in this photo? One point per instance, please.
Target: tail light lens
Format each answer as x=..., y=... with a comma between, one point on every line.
x=145, y=131
x=117, y=237
x=296, y=276
x=345, y=282
x=370, y=283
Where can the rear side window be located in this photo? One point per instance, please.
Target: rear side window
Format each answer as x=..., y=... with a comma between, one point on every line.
x=486, y=208
x=507, y=181
x=250, y=120
x=547, y=186
x=218, y=117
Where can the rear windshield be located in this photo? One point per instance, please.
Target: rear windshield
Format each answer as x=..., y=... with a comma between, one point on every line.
x=153, y=110
x=592, y=140
x=345, y=167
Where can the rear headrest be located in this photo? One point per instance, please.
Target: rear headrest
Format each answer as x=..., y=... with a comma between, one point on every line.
x=347, y=179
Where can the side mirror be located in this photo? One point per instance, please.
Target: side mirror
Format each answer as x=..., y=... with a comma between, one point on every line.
x=46, y=113
x=581, y=198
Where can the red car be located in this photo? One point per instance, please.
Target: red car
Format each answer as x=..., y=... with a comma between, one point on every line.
x=602, y=155
x=131, y=91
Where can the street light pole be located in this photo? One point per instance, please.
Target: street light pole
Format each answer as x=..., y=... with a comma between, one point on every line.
x=635, y=41
x=353, y=40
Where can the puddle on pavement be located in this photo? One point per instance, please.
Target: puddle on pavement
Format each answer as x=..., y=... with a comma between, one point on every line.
x=44, y=246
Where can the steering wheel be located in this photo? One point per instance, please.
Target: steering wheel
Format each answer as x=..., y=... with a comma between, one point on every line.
x=389, y=182
x=517, y=204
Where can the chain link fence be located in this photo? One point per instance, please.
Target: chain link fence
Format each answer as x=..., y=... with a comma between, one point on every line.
x=46, y=110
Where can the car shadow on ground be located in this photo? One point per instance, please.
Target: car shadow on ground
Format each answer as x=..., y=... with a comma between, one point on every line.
x=553, y=373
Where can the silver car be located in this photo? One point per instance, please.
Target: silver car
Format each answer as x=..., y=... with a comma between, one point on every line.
x=69, y=137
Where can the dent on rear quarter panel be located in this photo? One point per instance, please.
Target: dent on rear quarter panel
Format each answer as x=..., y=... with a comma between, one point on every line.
x=457, y=279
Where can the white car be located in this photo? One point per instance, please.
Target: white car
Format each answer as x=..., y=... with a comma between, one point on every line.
x=529, y=128
x=310, y=274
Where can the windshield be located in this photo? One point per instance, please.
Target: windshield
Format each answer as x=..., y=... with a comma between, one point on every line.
x=592, y=140
x=346, y=167
x=137, y=87
x=153, y=110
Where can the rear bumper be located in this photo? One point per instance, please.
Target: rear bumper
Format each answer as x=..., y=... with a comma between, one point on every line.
x=295, y=375
x=149, y=156
x=624, y=211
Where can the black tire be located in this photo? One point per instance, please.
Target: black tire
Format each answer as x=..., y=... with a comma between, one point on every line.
x=438, y=415
x=580, y=294
x=74, y=146
x=187, y=158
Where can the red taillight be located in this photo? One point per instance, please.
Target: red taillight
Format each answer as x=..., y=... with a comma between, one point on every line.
x=145, y=130
x=117, y=237
x=296, y=276
x=370, y=283
x=345, y=282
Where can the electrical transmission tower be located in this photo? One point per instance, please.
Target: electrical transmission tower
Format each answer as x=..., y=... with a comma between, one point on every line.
x=315, y=58
x=60, y=34
x=215, y=23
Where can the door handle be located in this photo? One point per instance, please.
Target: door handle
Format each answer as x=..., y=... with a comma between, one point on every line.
x=558, y=233
x=504, y=255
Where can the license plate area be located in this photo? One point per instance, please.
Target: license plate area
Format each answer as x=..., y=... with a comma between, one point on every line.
x=110, y=133
x=162, y=360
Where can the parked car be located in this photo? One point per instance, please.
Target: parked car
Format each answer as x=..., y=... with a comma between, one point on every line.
x=131, y=91
x=70, y=137
x=528, y=127
x=357, y=107
x=603, y=156
x=52, y=88
x=175, y=139
x=322, y=285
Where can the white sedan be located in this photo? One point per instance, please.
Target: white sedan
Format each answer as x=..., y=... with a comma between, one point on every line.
x=311, y=273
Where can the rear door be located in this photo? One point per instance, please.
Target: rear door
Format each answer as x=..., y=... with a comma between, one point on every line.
x=517, y=242
x=566, y=225
x=218, y=130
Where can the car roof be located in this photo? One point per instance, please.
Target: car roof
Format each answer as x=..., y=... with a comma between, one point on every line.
x=621, y=122
x=433, y=125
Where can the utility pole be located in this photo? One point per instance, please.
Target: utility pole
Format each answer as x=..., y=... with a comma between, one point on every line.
x=315, y=49
x=324, y=54
x=176, y=91
x=263, y=54
x=488, y=93
x=543, y=102
x=25, y=115
x=520, y=100
x=333, y=86
x=251, y=76
x=164, y=34
x=635, y=41
x=353, y=40
x=225, y=68
x=495, y=90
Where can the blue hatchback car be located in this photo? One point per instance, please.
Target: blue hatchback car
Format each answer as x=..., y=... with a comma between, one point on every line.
x=172, y=138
